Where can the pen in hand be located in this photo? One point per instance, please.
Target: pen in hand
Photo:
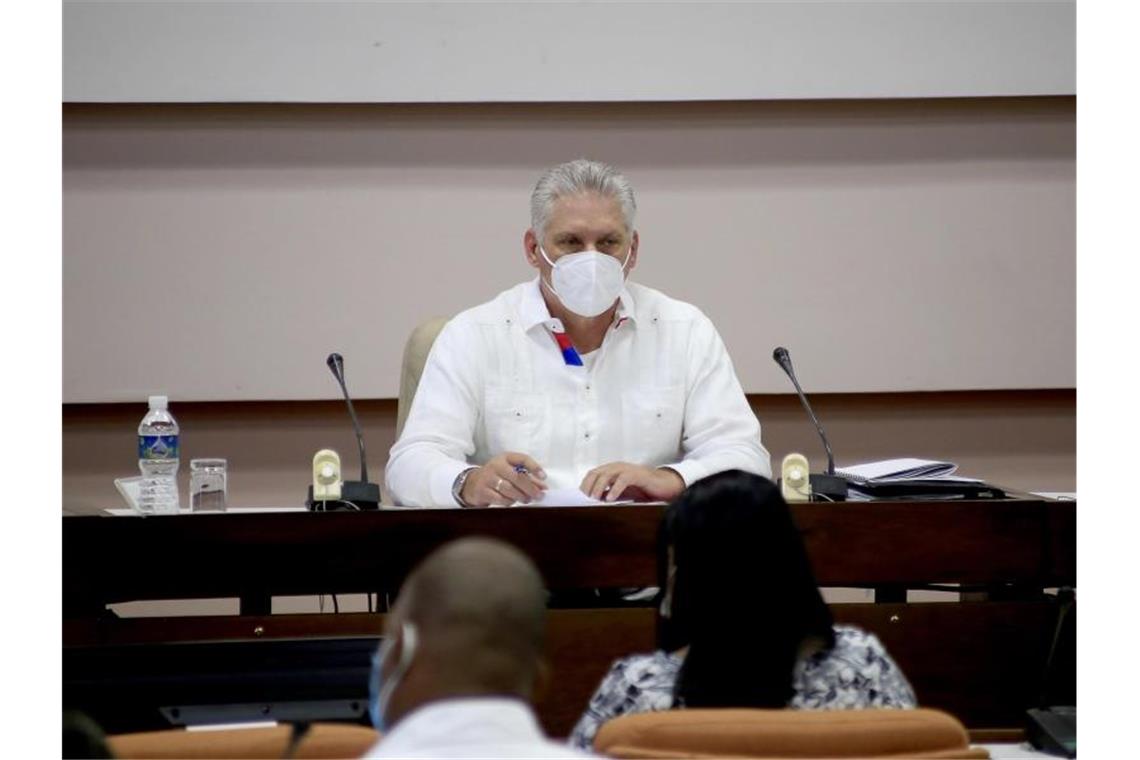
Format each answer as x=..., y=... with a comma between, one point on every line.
x=522, y=469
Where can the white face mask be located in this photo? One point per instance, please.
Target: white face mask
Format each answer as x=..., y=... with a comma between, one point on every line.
x=587, y=283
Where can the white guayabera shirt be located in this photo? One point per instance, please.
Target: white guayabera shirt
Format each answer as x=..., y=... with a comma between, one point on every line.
x=659, y=391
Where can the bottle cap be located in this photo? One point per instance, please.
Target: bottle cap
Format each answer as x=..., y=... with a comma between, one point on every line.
x=157, y=402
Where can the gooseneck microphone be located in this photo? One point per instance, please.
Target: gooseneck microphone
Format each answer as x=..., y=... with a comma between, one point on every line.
x=336, y=364
x=353, y=494
x=785, y=361
x=829, y=485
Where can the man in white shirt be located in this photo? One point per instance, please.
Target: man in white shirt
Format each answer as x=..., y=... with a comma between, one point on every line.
x=462, y=658
x=576, y=379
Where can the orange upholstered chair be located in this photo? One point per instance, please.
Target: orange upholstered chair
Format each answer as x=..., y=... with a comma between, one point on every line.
x=324, y=740
x=725, y=733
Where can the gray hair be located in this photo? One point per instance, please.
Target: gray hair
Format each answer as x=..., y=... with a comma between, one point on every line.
x=576, y=177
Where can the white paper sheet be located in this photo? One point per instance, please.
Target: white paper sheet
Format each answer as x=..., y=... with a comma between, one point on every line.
x=896, y=469
x=570, y=497
x=127, y=512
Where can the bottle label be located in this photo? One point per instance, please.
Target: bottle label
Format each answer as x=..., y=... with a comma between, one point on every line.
x=158, y=447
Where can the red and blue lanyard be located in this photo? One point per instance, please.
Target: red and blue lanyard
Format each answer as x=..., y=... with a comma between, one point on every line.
x=569, y=353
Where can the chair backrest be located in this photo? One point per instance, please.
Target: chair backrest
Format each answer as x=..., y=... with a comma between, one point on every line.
x=324, y=740
x=723, y=733
x=415, y=355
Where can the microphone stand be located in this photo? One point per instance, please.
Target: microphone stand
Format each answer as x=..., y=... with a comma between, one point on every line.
x=337, y=368
x=828, y=486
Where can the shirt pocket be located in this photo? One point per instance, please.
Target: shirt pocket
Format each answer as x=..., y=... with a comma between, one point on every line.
x=514, y=421
x=652, y=421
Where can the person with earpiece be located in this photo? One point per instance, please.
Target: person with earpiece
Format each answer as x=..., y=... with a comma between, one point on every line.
x=462, y=659
x=577, y=379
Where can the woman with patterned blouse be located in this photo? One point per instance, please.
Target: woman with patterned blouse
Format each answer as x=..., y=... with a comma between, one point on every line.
x=728, y=535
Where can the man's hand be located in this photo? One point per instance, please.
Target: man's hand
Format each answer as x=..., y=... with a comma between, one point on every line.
x=636, y=481
x=500, y=483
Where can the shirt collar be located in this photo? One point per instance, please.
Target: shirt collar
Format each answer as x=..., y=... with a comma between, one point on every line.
x=533, y=311
x=465, y=721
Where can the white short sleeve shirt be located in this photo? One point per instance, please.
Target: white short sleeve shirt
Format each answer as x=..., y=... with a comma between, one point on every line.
x=491, y=728
x=661, y=390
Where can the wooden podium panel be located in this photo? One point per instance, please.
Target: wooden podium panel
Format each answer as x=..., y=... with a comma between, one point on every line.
x=255, y=556
x=981, y=661
x=107, y=560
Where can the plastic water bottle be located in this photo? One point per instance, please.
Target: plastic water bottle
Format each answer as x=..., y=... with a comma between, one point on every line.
x=158, y=458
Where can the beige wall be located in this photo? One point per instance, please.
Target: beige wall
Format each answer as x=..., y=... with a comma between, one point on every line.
x=219, y=252
x=1024, y=440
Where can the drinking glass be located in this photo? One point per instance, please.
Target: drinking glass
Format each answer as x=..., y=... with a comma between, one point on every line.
x=207, y=485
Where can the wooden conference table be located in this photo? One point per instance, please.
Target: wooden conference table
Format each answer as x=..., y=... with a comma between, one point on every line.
x=980, y=659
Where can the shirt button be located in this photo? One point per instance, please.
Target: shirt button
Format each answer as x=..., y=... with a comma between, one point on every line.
x=587, y=436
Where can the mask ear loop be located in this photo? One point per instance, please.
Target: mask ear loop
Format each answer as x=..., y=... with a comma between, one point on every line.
x=549, y=285
x=407, y=649
x=407, y=652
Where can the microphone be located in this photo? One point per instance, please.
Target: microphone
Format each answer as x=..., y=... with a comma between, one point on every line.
x=361, y=493
x=829, y=485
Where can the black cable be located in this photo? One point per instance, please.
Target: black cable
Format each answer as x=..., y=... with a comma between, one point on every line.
x=324, y=505
x=298, y=733
x=336, y=607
